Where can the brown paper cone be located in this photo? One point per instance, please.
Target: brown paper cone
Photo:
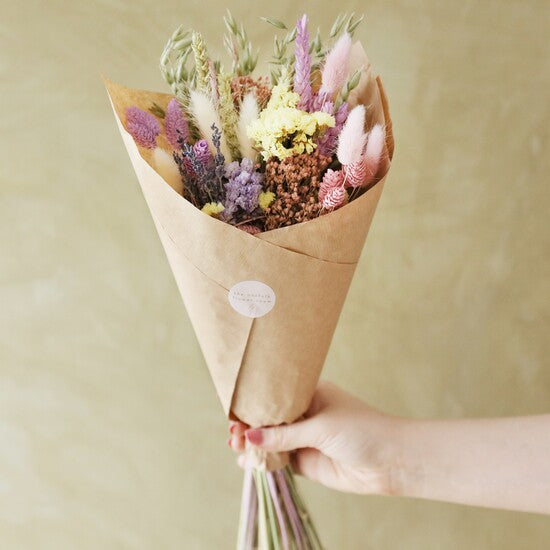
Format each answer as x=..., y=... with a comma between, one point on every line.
x=265, y=369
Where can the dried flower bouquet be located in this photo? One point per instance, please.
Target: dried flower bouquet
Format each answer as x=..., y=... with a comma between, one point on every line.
x=262, y=190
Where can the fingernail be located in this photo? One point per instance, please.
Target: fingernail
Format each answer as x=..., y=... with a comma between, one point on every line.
x=254, y=436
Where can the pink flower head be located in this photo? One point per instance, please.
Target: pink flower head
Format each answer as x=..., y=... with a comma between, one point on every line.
x=202, y=151
x=142, y=126
x=331, y=180
x=356, y=173
x=175, y=124
x=335, y=198
x=336, y=66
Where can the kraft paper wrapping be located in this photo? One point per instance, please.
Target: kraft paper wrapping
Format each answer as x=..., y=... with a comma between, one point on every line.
x=266, y=369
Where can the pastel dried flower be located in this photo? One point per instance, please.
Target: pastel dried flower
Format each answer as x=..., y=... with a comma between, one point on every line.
x=374, y=149
x=334, y=198
x=202, y=152
x=250, y=228
x=205, y=115
x=243, y=85
x=295, y=183
x=329, y=140
x=336, y=67
x=213, y=209
x=175, y=124
x=242, y=189
x=302, y=67
x=265, y=199
x=331, y=180
x=282, y=130
x=352, y=139
x=167, y=168
x=356, y=173
x=142, y=126
x=248, y=113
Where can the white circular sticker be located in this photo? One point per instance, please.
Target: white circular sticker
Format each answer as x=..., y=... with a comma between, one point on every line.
x=252, y=298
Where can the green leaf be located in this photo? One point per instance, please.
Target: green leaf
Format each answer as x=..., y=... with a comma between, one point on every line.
x=337, y=26
x=275, y=22
x=157, y=110
x=352, y=25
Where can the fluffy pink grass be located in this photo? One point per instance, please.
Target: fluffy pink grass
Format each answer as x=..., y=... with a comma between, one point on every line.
x=335, y=70
x=352, y=139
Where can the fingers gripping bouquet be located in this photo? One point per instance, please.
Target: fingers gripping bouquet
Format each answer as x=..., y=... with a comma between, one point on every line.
x=262, y=191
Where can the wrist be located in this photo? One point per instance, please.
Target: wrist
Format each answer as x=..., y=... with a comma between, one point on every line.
x=403, y=473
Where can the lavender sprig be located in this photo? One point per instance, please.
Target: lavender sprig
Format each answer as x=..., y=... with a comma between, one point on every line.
x=219, y=159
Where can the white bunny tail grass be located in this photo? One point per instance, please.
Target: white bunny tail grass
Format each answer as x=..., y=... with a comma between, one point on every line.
x=166, y=166
x=249, y=112
x=205, y=115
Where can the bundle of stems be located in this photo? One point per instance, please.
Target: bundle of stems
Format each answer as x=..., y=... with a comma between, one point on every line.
x=273, y=515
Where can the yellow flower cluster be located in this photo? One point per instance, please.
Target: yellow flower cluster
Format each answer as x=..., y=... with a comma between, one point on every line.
x=213, y=208
x=265, y=199
x=282, y=130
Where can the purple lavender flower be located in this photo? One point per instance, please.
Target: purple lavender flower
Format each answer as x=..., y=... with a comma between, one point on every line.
x=142, y=126
x=302, y=73
x=202, y=152
x=219, y=159
x=328, y=141
x=175, y=124
x=242, y=189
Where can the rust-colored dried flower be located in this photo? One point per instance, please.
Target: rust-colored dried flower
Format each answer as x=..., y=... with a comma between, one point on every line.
x=241, y=85
x=295, y=182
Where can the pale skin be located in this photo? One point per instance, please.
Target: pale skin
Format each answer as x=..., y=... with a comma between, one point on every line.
x=346, y=445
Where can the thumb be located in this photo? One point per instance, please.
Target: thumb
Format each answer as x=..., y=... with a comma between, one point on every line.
x=285, y=438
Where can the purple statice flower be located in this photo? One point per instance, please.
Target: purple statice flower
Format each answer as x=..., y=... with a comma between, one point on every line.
x=327, y=143
x=242, y=189
x=142, y=126
x=202, y=152
x=175, y=124
x=302, y=72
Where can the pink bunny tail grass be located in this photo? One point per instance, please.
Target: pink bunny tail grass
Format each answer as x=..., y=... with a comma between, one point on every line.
x=175, y=124
x=249, y=228
x=331, y=180
x=142, y=126
x=336, y=68
x=374, y=149
x=302, y=70
x=352, y=139
x=335, y=198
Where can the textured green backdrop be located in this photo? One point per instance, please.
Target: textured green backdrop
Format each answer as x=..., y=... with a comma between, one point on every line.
x=111, y=436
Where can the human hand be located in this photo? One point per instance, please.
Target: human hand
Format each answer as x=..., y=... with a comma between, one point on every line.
x=341, y=442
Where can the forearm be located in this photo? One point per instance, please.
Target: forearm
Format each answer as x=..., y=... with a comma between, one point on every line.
x=500, y=463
